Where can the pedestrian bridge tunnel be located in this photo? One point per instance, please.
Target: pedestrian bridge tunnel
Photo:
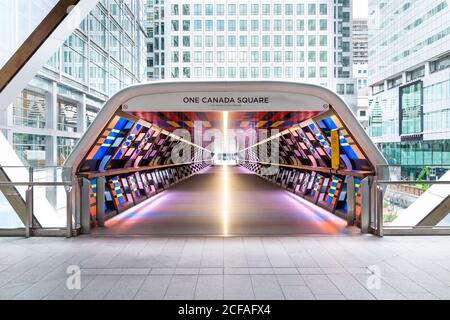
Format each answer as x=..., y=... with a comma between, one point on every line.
x=300, y=138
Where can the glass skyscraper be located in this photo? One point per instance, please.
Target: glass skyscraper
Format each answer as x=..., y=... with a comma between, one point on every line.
x=409, y=78
x=301, y=40
x=103, y=55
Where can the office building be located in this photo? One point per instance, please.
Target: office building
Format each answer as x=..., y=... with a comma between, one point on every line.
x=305, y=41
x=361, y=67
x=409, y=79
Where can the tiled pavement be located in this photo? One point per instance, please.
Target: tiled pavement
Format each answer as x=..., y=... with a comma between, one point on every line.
x=227, y=268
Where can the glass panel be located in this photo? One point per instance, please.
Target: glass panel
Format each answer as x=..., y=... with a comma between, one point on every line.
x=412, y=113
x=8, y=217
x=50, y=206
x=49, y=201
x=18, y=19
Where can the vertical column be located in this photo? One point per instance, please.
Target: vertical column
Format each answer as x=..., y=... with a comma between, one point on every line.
x=101, y=181
x=85, y=218
x=365, y=205
x=351, y=195
x=51, y=101
x=81, y=110
x=51, y=142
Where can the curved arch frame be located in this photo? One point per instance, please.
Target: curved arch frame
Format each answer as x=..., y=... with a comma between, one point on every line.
x=307, y=92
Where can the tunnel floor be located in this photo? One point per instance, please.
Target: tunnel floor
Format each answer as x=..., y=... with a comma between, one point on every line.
x=225, y=201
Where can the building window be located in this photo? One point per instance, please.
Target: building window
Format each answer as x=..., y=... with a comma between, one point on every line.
x=243, y=41
x=255, y=9
x=208, y=25
x=209, y=57
x=30, y=148
x=221, y=56
x=90, y=117
x=186, y=10
x=232, y=41
x=255, y=72
x=209, y=9
x=243, y=9
x=220, y=72
x=440, y=64
x=186, y=41
x=231, y=25
x=186, y=25
x=231, y=9
x=197, y=25
x=198, y=9
x=350, y=89
x=29, y=110
x=220, y=25
x=395, y=82
x=411, y=109
x=186, y=72
x=186, y=57
x=232, y=72
x=220, y=9
x=243, y=25
x=415, y=74
x=255, y=56
x=175, y=10
x=175, y=73
x=288, y=9
x=67, y=116
x=65, y=147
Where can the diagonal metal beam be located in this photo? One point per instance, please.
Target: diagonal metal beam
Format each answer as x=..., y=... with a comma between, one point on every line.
x=15, y=200
x=35, y=40
x=43, y=42
x=437, y=215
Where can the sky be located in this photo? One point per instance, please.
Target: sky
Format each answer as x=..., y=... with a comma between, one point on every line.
x=360, y=8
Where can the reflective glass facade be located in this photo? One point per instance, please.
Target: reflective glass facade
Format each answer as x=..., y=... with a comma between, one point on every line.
x=409, y=79
x=307, y=41
x=103, y=55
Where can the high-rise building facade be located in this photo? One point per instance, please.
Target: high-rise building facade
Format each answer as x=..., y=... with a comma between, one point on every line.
x=300, y=40
x=103, y=55
x=409, y=79
x=361, y=68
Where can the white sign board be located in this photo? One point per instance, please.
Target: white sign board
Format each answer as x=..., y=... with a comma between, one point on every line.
x=225, y=101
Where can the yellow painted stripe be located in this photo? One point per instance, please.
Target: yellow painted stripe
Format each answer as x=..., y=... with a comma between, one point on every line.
x=189, y=123
x=173, y=124
x=277, y=124
x=260, y=124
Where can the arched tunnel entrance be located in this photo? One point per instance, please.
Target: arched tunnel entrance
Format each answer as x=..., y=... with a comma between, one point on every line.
x=225, y=158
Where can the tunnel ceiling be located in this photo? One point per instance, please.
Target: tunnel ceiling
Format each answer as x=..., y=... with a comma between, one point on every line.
x=280, y=120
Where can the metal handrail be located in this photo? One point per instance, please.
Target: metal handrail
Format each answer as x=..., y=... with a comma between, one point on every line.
x=413, y=165
x=68, y=185
x=37, y=184
x=412, y=182
x=379, y=203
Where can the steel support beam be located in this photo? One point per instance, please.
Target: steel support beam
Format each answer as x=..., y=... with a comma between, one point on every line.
x=42, y=43
x=101, y=181
x=84, y=205
x=365, y=205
